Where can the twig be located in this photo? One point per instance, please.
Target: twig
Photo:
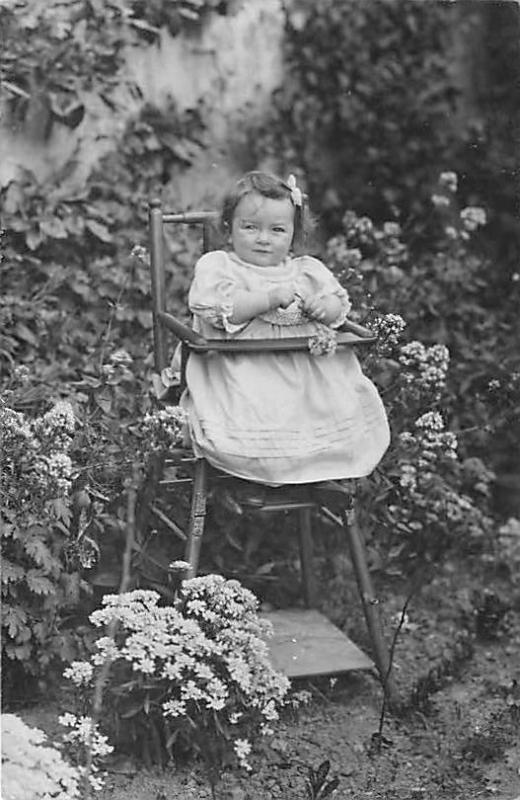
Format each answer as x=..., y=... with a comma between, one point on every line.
x=169, y=523
x=111, y=321
x=418, y=582
x=102, y=677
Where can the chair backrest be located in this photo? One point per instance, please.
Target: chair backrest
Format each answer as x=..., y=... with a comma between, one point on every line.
x=157, y=220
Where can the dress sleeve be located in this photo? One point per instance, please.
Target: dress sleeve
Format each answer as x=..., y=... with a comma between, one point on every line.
x=212, y=290
x=323, y=284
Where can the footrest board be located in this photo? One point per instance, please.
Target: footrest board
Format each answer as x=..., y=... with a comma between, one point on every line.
x=306, y=643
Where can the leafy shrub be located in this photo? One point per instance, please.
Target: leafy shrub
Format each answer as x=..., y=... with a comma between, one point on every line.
x=431, y=490
x=363, y=109
x=65, y=479
x=189, y=677
x=37, y=586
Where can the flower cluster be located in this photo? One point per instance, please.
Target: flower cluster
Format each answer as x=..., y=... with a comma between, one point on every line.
x=433, y=438
x=140, y=253
x=31, y=769
x=323, y=343
x=338, y=250
x=449, y=180
x=426, y=367
x=117, y=367
x=55, y=470
x=388, y=329
x=424, y=448
x=83, y=737
x=204, y=661
x=359, y=229
x=430, y=441
x=472, y=218
x=430, y=500
x=35, y=451
x=163, y=428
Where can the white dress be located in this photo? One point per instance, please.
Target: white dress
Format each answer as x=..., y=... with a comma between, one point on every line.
x=278, y=418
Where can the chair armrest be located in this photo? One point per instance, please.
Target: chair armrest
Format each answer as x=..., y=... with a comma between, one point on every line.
x=182, y=331
x=360, y=330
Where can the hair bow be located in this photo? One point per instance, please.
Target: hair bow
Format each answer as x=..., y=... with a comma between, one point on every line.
x=296, y=194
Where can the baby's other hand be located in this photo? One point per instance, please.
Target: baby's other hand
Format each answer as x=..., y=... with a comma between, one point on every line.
x=281, y=296
x=315, y=308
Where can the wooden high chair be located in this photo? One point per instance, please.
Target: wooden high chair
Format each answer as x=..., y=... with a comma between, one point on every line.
x=305, y=642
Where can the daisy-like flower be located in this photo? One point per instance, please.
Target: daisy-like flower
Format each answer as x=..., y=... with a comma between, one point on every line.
x=242, y=750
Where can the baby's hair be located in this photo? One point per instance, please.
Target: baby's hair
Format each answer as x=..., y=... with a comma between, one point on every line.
x=267, y=185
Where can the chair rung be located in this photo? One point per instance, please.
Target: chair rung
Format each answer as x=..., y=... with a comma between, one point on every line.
x=290, y=505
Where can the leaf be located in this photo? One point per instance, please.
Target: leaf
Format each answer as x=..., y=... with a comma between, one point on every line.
x=14, y=619
x=23, y=332
x=11, y=572
x=131, y=712
x=33, y=238
x=329, y=788
x=62, y=512
x=40, y=553
x=322, y=772
x=54, y=228
x=39, y=583
x=99, y=230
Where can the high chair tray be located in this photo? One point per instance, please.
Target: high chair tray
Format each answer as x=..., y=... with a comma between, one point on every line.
x=305, y=643
x=356, y=334
x=270, y=345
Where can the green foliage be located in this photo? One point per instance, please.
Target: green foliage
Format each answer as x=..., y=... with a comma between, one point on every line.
x=64, y=507
x=432, y=491
x=317, y=785
x=55, y=52
x=364, y=106
x=76, y=315
x=38, y=585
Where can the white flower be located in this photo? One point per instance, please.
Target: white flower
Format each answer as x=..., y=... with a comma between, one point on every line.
x=440, y=200
x=61, y=416
x=449, y=180
x=392, y=229
x=242, y=749
x=473, y=217
x=174, y=708
x=120, y=356
x=408, y=479
x=79, y=672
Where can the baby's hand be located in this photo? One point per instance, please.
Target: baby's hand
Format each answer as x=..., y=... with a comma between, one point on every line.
x=316, y=308
x=324, y=309
x=281, y=296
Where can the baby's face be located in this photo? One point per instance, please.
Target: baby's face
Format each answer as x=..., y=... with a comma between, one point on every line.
x=262, y=229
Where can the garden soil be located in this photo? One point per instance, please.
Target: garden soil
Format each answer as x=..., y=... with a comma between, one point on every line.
x=457, y=664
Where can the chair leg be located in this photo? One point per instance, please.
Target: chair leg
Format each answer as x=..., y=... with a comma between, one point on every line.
x=306, y=552
x=197, y=516
x=370, y=607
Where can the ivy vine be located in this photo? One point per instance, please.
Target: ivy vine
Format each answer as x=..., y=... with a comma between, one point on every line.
x=54, y=52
